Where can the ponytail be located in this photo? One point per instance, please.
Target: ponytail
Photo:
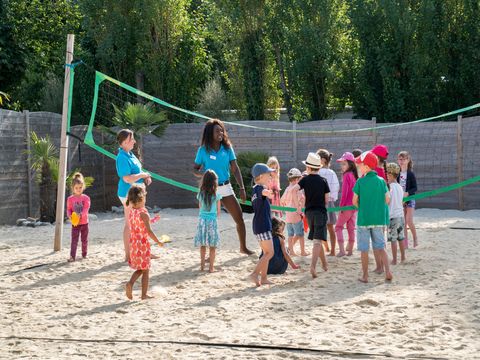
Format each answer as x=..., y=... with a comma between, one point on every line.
x=77, y=179
x=325, y=155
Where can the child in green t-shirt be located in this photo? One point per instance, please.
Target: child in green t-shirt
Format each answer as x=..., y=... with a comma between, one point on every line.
x=370, y=197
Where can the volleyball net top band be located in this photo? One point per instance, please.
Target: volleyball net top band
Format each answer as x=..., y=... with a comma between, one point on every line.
x=89, y=140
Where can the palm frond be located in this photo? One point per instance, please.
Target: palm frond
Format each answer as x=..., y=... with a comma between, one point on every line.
x=140, y=118
x=42, y=151
x=88, y=179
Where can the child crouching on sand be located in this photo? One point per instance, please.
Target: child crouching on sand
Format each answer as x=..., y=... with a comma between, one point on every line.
x=280, y=260
x=140, y=230
x=370, y=197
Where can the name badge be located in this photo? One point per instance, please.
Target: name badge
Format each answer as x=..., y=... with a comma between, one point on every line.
x=213, y=157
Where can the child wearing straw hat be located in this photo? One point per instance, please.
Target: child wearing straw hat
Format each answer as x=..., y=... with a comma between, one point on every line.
x=316, y=197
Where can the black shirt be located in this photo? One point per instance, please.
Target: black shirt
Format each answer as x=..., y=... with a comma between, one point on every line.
x=315, y=188
x=262, y=219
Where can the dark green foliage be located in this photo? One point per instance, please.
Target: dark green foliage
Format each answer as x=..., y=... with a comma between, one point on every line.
x=397, y=60
x=12, y=53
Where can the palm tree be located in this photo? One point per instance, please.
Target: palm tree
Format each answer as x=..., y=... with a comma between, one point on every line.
x=3, y=96
x=142, y=119
x=44, y=158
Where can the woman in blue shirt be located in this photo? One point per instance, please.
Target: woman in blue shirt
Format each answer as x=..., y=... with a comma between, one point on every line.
x=129, y=170
x=216, y=153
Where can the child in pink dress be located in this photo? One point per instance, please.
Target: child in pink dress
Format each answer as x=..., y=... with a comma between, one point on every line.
x=274, y=184
x=347, y=217
x=78, y=203
x=140, y=230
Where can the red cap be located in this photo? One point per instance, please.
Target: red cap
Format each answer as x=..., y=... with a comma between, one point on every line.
x=367, y=158
x=380, y=150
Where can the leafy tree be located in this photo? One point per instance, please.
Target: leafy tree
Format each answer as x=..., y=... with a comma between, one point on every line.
x=12, y=53
x=41, y=27
x=44, y=159
x=142, y=119
x=155, y=44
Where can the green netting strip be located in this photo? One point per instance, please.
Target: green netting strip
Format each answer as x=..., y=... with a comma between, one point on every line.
x=90, y=142
x=70, y=97
x=196, y=114
x=149, y=97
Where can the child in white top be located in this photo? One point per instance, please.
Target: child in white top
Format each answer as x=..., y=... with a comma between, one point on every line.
x=334, y=185
x=397, y=223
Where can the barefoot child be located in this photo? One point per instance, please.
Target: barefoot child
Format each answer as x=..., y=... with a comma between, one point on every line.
x=294, y=198
x=381, y=151
x=207, y=230
x=408, y=182
x=347, y=217
x=262, y=220
x=78, y=205
x=397, y=223
x=140, y=230
x=334, y=186
x=370, y=197
x=316, y=196
x=274, y=185
x=280, y=260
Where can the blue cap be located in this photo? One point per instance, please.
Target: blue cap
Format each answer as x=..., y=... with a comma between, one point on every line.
x=260, y=168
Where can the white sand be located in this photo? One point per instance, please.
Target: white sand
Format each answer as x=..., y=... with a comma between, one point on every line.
x=432, y=307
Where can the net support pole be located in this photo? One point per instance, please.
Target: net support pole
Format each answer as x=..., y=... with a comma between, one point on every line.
x=62, y=170
x=294, y=142
x=461, y=203
x=374, y=131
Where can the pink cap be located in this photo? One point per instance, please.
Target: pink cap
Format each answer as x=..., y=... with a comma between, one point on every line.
x=380, y=150
x=368, y=158
x=347, y=156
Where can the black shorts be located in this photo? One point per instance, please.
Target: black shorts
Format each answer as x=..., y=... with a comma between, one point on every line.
x=317, y=224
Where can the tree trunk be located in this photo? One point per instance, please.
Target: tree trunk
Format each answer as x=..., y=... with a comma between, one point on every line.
x=140, y=83
x=138, y=149
x=283, y=82
x=252, y=60
x=47, y=203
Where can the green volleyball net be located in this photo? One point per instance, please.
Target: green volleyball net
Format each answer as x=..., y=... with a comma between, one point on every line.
x=116, y=105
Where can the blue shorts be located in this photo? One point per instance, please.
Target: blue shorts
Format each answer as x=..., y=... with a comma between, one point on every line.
x=411, y=204
x=364, y=234
x=295, y=229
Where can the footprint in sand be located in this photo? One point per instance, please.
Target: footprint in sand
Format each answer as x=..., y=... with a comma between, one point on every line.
x=201, y=336
x=367, y=302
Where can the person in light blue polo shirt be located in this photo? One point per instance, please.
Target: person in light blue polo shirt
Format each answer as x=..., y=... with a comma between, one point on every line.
x=216, y=153
x=129, y=170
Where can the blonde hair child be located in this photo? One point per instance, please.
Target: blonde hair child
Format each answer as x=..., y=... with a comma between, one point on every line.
x=274, y=184
x=78, y=205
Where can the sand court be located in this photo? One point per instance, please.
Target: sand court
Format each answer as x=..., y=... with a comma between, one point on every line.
x=431, y=309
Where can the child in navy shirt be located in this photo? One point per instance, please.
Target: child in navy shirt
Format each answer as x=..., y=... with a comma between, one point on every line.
x=262, y=220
